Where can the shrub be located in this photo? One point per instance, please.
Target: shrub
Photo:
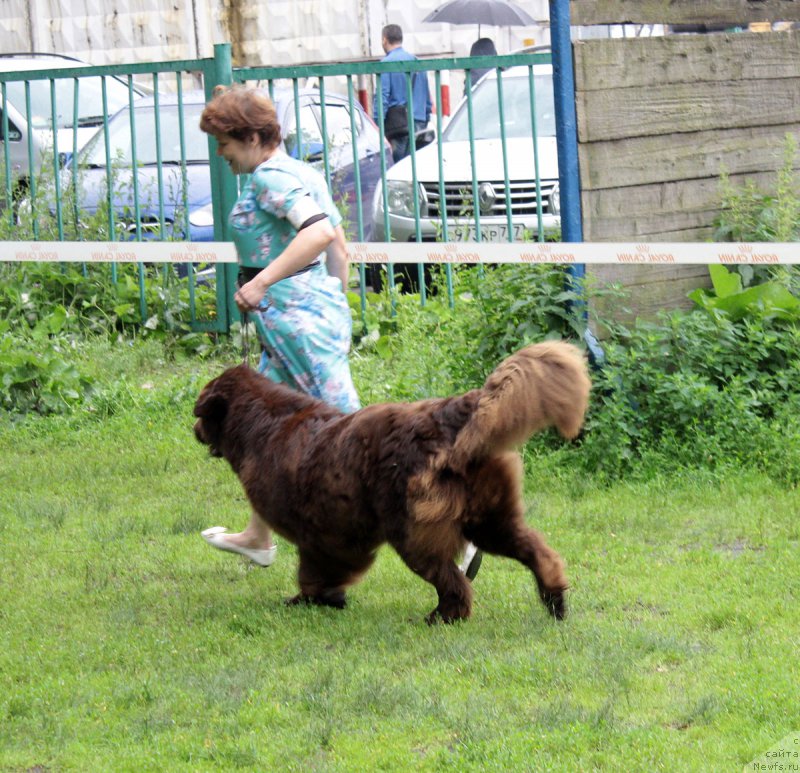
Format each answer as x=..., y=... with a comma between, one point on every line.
x=690, y=389
x=696, y=389
x=38, y=374
x=505, y=307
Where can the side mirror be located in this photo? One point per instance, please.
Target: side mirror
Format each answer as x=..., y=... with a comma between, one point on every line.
x=14, y=134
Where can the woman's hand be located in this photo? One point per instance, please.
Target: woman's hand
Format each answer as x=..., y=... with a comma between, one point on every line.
x=249, y=296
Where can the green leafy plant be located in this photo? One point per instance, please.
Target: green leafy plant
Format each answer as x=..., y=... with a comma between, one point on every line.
x=38, y=374
x=405, y=347
x=719, y=386
x=749, y=214
x=46, y=310
x=694, y=389
x=767, y=299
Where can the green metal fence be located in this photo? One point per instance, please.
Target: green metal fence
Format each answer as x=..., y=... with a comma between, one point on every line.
x=167, y=182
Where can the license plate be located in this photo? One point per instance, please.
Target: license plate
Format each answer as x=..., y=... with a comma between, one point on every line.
x=489, y=233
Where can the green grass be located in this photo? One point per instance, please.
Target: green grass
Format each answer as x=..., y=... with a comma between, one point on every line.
x=129, y=645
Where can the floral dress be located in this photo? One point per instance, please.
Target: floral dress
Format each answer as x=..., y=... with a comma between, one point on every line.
x=304, y=320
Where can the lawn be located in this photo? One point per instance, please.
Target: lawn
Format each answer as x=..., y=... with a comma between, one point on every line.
x=129, y=645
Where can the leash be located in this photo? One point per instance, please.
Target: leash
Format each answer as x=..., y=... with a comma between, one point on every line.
x=245, y=275
x=245, y=339
x=252, y=316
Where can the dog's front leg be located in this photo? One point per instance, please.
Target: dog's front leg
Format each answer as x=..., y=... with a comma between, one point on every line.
x=323, y=579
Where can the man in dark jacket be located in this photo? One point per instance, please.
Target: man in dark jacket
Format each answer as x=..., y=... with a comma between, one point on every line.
x=393, y=87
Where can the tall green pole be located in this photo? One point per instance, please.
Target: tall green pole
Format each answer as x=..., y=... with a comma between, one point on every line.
x=223, y=190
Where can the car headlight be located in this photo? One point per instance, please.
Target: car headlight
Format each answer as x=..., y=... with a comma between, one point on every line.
x=554, y=201
x=400, y=198
x=203, y=217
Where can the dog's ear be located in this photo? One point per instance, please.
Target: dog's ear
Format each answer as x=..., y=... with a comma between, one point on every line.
x=211, y=405
x=210, y=409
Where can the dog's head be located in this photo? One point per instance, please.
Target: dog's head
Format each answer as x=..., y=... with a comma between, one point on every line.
x=212, y=407
x=240, y=404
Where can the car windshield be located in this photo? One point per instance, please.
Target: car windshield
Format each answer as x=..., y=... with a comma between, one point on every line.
x=121, y=147
x=89, y=94
x=516, y=110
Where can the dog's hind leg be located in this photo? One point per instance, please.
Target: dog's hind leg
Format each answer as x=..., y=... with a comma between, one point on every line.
x=515, y=540
x=496, y=524
x=453, y=589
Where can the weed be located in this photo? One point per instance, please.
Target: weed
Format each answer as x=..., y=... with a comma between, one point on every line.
x=750, y=214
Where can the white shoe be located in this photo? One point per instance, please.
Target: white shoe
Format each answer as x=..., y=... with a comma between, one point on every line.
x=216, y=537
x=471, y=561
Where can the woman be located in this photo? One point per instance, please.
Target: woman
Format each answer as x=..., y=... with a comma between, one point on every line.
x=283, y=224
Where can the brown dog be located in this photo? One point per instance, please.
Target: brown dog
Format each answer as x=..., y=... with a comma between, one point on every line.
x=424, y=477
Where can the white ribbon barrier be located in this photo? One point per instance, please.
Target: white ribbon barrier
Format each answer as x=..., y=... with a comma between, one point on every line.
x=119, y=252
x=422, y=252
x=578, y=252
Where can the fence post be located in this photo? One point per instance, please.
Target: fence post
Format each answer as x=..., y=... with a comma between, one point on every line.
x=567, y=144
x=566, y=120
x=223, y=190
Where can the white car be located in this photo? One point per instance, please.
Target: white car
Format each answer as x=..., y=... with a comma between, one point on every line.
x=29, y=112
x=490, y=199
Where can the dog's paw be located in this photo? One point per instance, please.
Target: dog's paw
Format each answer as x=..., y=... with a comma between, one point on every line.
x=437, y=616
x=335, y=599
x=433, y=618
x=556, y=602
x=331, y=598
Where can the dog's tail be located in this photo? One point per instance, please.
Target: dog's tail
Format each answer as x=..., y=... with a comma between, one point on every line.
x=540, y=386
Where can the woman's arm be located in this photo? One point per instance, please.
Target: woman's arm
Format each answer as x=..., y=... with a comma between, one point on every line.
x=302, y=250
x=338, y=260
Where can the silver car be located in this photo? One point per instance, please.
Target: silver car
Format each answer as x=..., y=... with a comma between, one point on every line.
x=28, y=106
x=495, y=197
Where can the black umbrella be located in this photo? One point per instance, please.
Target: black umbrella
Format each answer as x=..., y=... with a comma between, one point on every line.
x=499, y=13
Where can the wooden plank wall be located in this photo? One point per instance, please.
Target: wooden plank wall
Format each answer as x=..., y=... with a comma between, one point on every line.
x=659, y=120
x=682, y=11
